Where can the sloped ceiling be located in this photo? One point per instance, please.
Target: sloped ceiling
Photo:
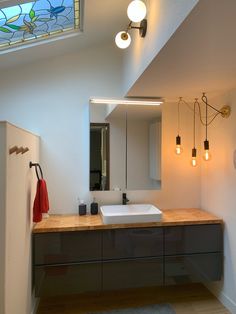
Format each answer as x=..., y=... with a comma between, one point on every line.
x=200, y=56
x=102, y=20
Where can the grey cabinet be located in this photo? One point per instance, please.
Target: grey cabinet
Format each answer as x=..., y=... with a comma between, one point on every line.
x=67, y=262
x=67, y=279
x=193, y=268
x=67, y=247
x=132, y=243
x=132, y=258
x=193, y=239
x=81, y=261
x=193, y=253
x=132, y=273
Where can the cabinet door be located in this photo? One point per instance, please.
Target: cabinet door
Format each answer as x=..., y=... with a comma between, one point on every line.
x=193, y=268
x=132, y=243
x=193, y=239
x=124, y=274
x=67, y=279
x=67, y=247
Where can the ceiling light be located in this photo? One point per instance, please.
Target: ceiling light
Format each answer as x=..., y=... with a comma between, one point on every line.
x=136, y=11
x=123, y=101
x=123, y=39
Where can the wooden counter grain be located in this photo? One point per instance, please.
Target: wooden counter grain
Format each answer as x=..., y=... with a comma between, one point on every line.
x=171, y=217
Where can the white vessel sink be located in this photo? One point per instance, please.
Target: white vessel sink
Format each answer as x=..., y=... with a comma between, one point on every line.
x=120, y=214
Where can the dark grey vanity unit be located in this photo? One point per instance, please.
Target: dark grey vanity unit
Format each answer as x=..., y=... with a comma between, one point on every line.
x=109, y=259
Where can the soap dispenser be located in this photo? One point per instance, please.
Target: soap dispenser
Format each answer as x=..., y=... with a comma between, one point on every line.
x=82, y=208
x=94, y=207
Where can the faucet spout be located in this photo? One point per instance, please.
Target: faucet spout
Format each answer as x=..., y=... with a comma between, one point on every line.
x=125, y=200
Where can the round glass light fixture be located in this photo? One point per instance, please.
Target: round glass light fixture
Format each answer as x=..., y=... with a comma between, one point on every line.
x=123, y=40
x=136, y=11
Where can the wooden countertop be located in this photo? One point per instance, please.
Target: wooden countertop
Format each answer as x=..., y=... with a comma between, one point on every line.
x=171, y=217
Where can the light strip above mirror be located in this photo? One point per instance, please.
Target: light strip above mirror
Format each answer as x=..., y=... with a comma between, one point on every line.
x=127, y=101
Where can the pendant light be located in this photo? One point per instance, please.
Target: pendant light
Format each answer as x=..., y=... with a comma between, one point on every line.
x=194, y=150
x=178, y=147
x=206, y=153
x=206, y=120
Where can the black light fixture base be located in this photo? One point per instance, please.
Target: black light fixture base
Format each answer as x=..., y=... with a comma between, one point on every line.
x=178, y=140
x=143, y=28
x=206, y=145
x=194, y=152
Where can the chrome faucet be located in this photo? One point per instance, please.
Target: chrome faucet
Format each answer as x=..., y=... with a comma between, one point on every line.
x=125, y=200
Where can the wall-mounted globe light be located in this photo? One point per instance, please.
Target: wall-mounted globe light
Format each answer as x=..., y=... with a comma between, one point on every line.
x=136, y=11
x=123, y=40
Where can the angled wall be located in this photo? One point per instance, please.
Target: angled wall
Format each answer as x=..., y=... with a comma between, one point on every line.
x=164, y=17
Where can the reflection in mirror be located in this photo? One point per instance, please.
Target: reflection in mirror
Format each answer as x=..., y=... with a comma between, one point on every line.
x=99, y=156
x=127, y=153
x=107, y=165
x=143, y=147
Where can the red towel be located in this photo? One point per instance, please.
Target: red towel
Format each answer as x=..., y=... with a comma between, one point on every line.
x=41, y=203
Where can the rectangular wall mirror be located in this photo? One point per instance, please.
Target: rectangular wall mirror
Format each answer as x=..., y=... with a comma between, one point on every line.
x=125, y=147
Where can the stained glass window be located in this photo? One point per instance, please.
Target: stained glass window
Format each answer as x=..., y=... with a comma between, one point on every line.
x=36, y=20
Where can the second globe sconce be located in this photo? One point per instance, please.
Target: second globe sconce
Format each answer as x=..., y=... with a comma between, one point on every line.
x=136, y=13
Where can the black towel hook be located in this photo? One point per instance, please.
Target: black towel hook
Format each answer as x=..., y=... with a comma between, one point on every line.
x=36, y=165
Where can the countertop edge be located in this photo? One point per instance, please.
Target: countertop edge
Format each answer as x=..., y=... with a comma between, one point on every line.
x=101, y=226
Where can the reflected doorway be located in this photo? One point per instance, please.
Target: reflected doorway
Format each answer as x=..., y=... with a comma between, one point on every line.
x=99, y=157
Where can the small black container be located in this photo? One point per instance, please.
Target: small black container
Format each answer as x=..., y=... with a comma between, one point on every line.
x=82, y=208
x=94, y=207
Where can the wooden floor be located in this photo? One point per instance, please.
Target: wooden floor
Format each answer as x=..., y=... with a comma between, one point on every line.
x=190, y=299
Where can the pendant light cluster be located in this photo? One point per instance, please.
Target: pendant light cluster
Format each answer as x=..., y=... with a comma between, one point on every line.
x=136, y=13
x=224, y=112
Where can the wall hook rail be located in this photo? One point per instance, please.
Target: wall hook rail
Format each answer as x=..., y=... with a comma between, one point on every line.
x=18, y=150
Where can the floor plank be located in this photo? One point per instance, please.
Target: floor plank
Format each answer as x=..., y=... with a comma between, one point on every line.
x=187, y=299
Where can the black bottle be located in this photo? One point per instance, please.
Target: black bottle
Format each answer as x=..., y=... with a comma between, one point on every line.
x=82, y=208
x=94, y=207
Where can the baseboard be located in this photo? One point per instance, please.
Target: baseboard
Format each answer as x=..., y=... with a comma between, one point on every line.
x=35, y=305
x=223, y=298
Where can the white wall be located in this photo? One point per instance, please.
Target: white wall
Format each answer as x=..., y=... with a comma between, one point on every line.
x=21, y=188
x=2, y=212
x=218, y=187
x=18, y=186
x=51, y=98
x=164, y=17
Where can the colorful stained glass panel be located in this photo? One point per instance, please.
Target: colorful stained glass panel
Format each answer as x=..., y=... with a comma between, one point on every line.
x=36, y=20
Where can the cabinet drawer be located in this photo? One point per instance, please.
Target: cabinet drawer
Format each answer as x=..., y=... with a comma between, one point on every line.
x=67, y=279
x=125, y=274
x=67, y=247
x=129, y=243
x=193, y=268
x=193, y=239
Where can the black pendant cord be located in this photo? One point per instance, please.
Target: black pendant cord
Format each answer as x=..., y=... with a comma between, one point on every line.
x=194, y=124
x=180, y=99
x=212, y=116
x=204, y=99
x=206, y=117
